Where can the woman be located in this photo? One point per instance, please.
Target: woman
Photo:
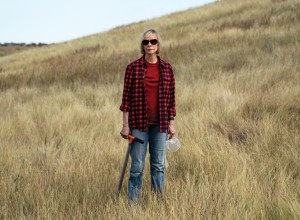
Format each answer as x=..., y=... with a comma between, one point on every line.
x=148, y=106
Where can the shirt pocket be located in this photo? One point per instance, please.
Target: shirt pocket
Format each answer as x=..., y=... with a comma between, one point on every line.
x=138, y=81
x=167, y=78
x=167, y=82
x=139, y=77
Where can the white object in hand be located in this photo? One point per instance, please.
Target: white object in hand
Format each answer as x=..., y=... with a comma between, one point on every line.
x=173, y=144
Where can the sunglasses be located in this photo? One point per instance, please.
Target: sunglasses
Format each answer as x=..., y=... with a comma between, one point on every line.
x=153, y=42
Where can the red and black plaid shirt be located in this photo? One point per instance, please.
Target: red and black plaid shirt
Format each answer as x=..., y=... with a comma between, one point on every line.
x=134, y=100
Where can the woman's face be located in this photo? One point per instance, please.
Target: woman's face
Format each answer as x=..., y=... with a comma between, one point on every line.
x=150, y=49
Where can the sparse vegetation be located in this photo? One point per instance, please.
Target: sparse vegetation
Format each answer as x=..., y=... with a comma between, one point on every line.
x=238, y=102
x=9, y=48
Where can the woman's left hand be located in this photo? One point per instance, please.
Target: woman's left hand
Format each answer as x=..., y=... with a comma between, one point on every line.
x=171, y=130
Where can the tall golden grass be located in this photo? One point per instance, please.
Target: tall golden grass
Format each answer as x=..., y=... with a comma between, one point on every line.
x=238, y=102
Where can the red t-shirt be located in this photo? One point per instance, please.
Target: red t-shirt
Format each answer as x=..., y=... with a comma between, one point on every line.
x=152, y=92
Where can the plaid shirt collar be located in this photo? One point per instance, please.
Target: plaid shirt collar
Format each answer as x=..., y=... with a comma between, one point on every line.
x=143, y=62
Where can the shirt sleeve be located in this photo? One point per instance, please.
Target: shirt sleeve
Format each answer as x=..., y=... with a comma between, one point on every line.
x=172, y=104
x=127, y=90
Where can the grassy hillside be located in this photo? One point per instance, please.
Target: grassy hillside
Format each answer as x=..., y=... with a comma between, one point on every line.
x=238, y=102
x=10, y=48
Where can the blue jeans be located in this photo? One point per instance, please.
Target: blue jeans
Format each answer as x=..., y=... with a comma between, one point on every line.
x=157, y=150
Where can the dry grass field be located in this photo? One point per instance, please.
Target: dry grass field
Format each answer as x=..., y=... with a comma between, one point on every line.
x=238, y=103
x=10, y=48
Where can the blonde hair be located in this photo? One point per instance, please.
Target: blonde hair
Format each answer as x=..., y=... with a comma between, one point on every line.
x=146, y=33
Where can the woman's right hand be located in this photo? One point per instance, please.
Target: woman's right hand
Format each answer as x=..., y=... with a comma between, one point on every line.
x=125, y=131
